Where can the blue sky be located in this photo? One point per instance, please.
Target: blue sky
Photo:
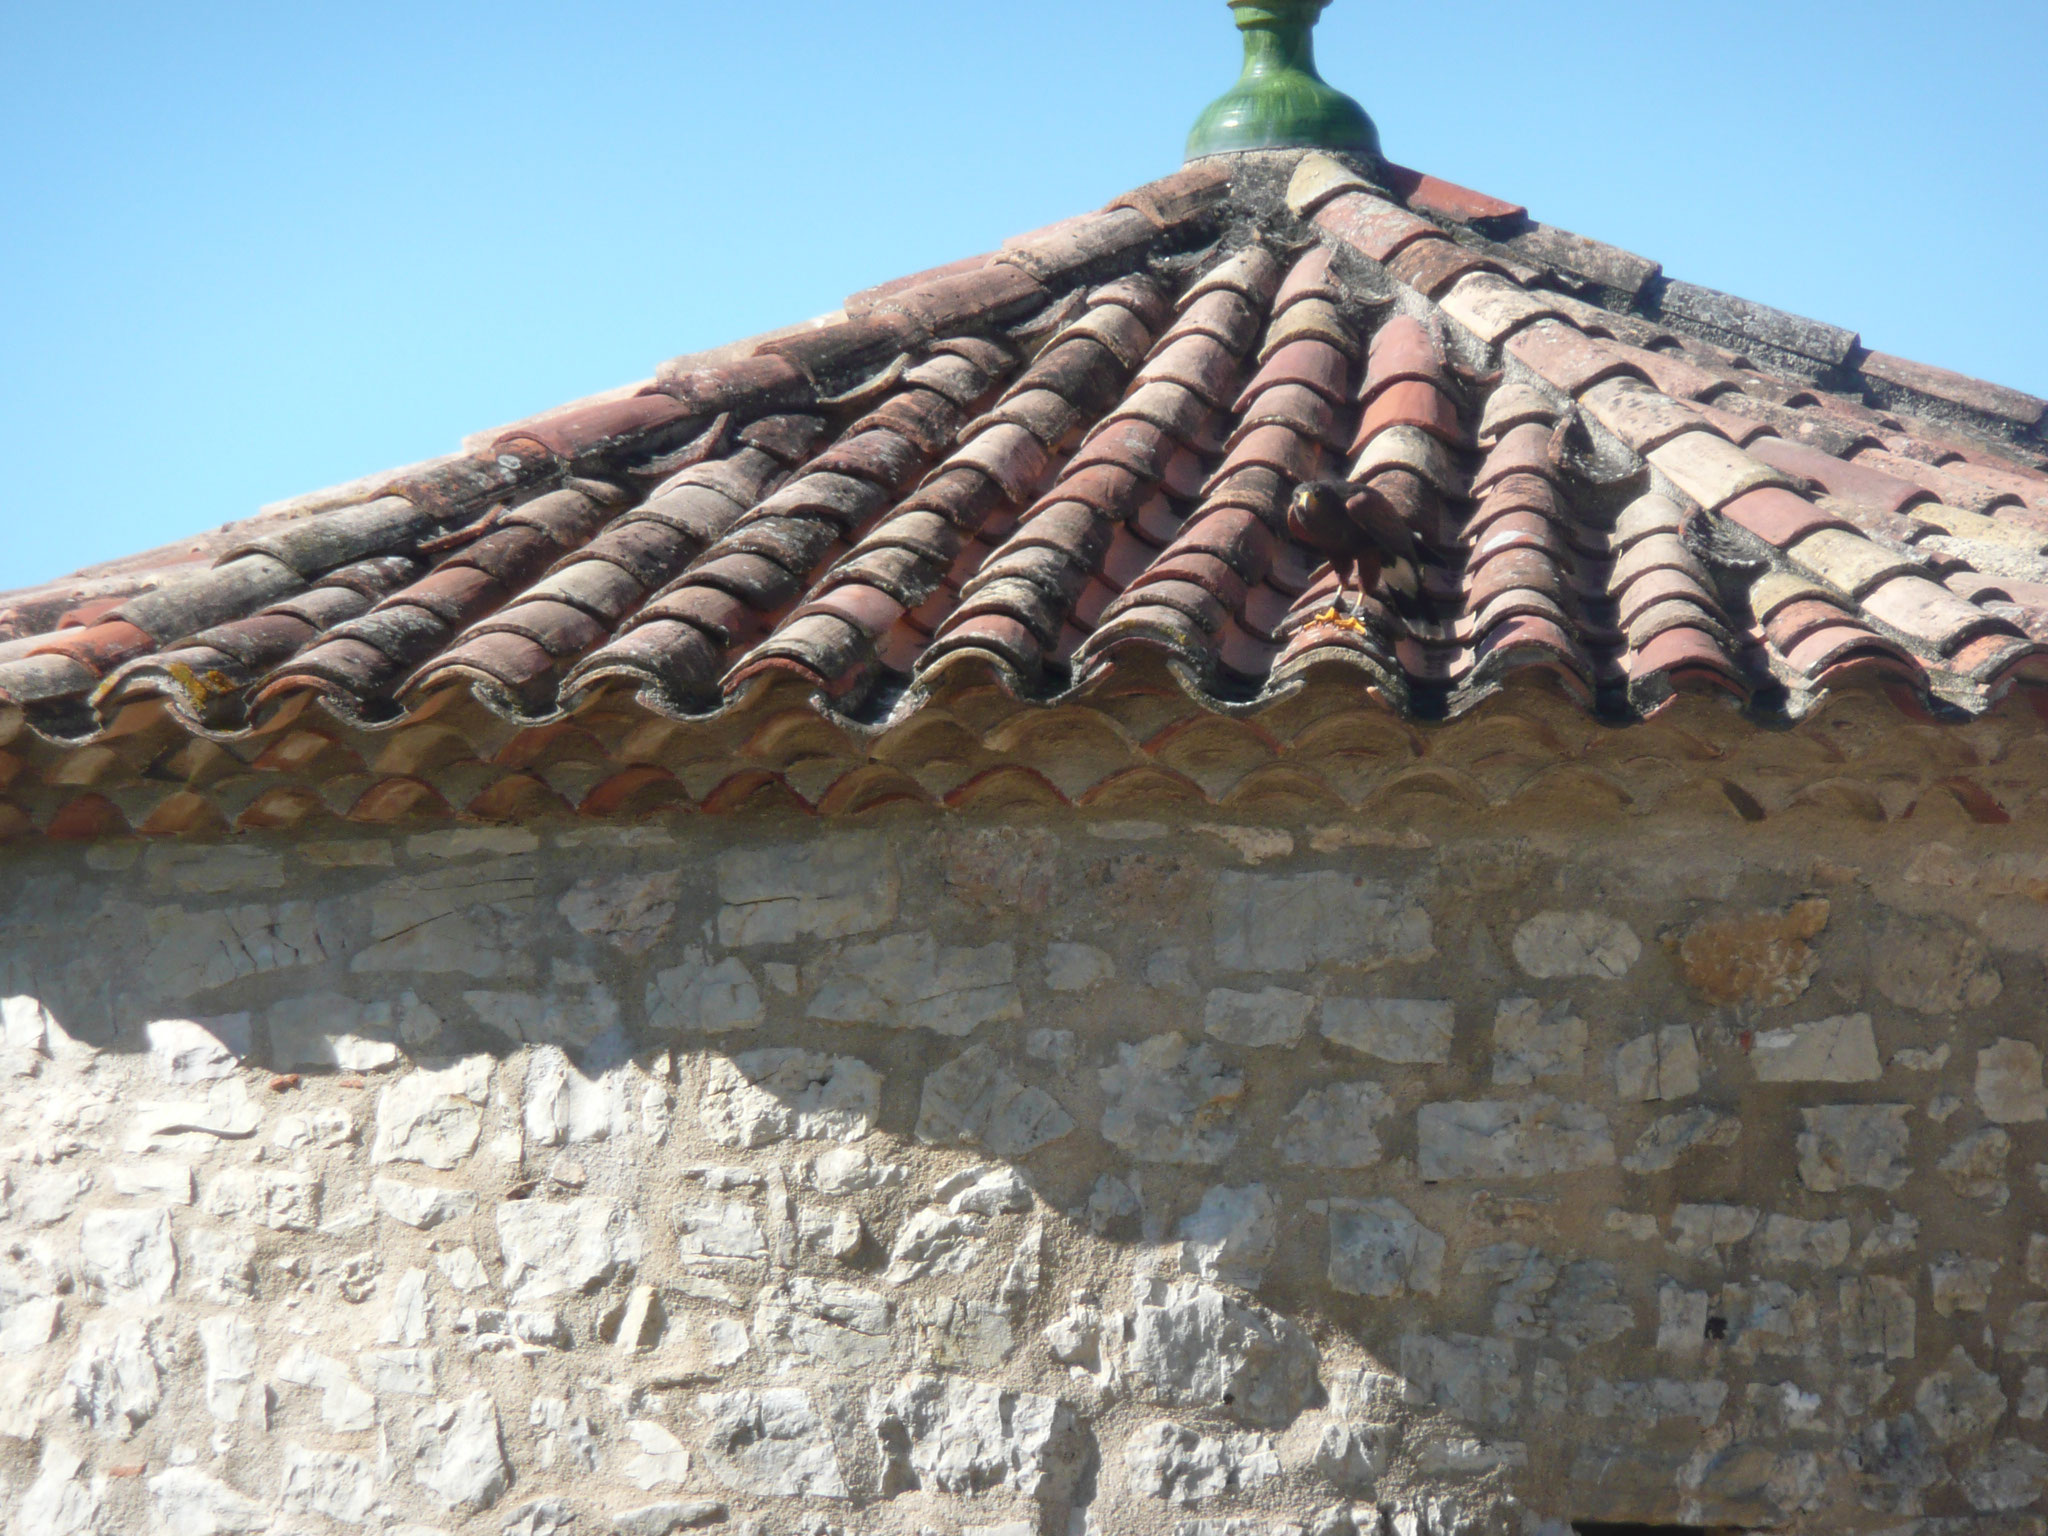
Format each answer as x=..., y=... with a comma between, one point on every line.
x=248, y=250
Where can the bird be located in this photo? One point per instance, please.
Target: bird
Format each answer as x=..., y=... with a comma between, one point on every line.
x=1369, y=545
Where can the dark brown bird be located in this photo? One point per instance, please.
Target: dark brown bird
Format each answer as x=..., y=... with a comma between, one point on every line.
x=1368, y=543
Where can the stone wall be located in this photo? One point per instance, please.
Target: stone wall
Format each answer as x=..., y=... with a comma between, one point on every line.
x=1067, y=1177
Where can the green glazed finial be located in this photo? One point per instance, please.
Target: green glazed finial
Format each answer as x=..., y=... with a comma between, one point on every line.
x=1280, y=102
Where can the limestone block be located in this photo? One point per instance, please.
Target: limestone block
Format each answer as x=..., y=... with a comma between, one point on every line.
x=322, y=1029
x=193, y=952
x=628, y=912
x=848, y=1171
x=1878, y=1318
x=1076, y=967
x=1892, y=1238
x=433, y=1118
x=1932, y=965
x=1352, y=1455
x=127, y=1256
x=552, y=1248
x=1378, y=1248
x=843, y=883
x=403, y=1372
x=1230, y=1235
x=1649, y=1403
x=1837, y=1050
x=960, y=1335
x=970, y=1437
x=422, y=1206
x=661, y=1460
x=186, y=1502
x=1975, y=1166
x=935, y=1242
x=1670, y=1138
x=1194, y=1346
x=668, y=1517
x=1681, y=1321
x=1706, y=1229
x=975, y=1098
x=282, y=1199
x=1182, y=1465
x=2026, y=1333
x=230, y=1344
x=984, y=1190
x=1663, y=1064
x=771, y=1443
x=2009, y=1475
x=703, y=996
x=2009, y=1083
x=114, y=1383
x=59, y=1502
x=825, y=1321
x=562, y=1105
x=198, y=1050
x=1764, y=959
x=344, y=1406
x=718, y=1230
x=1847, y=1145
x=325, y=1125
x=1554, y=945
x=1471, y=1378
x=1531, y=1041
x=1410, y=1031
x=1272, y=1016
x=1960, y=1283
x=1789, y=1240
x=1959, y=1402
x=458, y=1453
x=1335, y=1127
x=1292, y=923
x=1168, y=1102
x=1510, y=1139
x=761, y=1097
x=908, y=981
x=458, y=921
x=575, y=1010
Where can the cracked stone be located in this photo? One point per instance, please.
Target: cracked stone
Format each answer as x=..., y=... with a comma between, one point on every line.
x=1531, y=1041
x=703, y=996
x=433, y=1118
x=1378, y=1248
x=1510, y=1139
x=1170, y=1103
x=1554, y=945
x=1269, y=1017
x=1854, y=1144
x=1194, y=1346
x=1837, y=1050
x=975, y=1098
x=771, y=1443
x=1663, y=1064
x=907, y=981
x=1335, y=1127
x=760, y=1097
x=1173, y=1462
x=842, y=884
x=1292, y=923
x=966, y=1437
x=1408, y=1031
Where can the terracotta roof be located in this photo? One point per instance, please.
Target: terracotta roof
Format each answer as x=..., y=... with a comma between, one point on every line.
x=1070, y=460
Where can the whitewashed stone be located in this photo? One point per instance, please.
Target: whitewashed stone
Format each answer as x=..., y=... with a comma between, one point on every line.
x=193, y=952
x=114, y=1382
x=458, y=1455
x=433, y=1118
x=907, y=981
x=2009, y=1083
x=975, y=1098
x=1269, y=1017
x=1167, y=1102
x=29, y=1312
x=1291, y=923
x=1335, y=1127
x=282, y=1199
x=935, y=1242
x=344, y=1406
x=1531, y=1041
x=1670, y=1138
x=422, y=1206
x=552, y=1248
x=703, y=996
x=47, y=1196
x=1231, y=1234
x=1663, y=1064
x=1076, y=967
x=761, y=1097
x=1846, y=1145
x=463, y=1269
x=628, y=912
x=1789, y=1240
x=1837, y=1050
x=169, y=1182
x=59, y=1502
x=1409, y=1031
x=833, y=1324
x=331, y=1483
x=1959, y=1402
x=660, y=1460
x=1552, y=945
x=968, y=1437
x=1184, y=1466
x=1471, y=1378
x=1510, y=1139
x=186, y=1502
x=842, y=884
x=1879, y=1318
x=230, y=1344
x=29, y=1033
x=563, y=1106
x=1194, y=1346
x=455, y=921
x=770, y=1443
x=198, y=1050
x=128, y=1256
x=1378, y=1248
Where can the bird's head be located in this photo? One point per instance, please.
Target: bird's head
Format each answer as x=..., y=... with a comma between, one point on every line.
x=1316, y=499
